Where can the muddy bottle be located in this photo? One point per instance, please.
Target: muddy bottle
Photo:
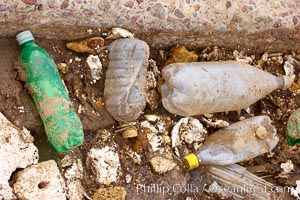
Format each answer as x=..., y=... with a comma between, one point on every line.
x=234, y=180
x=238, y=142
x=125, y=81
x=209, y=87
x=62, y=125
x=293, y=128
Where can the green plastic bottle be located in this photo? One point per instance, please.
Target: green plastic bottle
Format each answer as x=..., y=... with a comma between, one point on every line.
x=62, y=125
x=293, y=128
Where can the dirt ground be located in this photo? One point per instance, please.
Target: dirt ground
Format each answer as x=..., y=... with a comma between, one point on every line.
x=17, y=105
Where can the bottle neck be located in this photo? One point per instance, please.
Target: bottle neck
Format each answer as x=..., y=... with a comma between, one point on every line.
x=28, y=43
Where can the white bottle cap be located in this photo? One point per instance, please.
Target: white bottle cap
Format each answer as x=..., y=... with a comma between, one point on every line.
x=24, y=36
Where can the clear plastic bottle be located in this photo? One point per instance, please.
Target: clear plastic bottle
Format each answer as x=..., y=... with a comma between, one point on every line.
x=62, y=125
x=234, y=180
x=125, y=81
x=209, y=87
x=238, y=142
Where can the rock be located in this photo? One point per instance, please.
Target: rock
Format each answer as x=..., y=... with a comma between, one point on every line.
x=73, y=174
x=96, y=67
x=117, y=33
x=75, y=190
x=129, y=133
x=41, y=181
x=188, y=130
x=152, y=99
x=181, y=54
x=16, y=151
x=116, y=193
x=90, y=45
x=105, y=164
x=63, y=67
x=216, y=123
x=261, y=132
x=136, y=158
x=287, y=167
x=152, y=118
x=161, y=164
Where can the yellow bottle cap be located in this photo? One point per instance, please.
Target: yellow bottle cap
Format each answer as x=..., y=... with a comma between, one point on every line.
x=191, y=161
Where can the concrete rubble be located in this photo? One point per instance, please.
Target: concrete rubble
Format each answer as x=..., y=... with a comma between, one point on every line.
x=40, y=181
x=73, y=176
x=16, y=151
x=105, y=164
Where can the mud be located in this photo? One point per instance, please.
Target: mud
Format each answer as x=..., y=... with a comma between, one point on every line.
x=87, y=97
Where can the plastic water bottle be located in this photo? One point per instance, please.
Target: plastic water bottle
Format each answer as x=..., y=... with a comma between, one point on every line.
x=62, y=125
x=238, y=142
x=293, y=128
x=209, y=87
x=125, y=81
x=234, y=180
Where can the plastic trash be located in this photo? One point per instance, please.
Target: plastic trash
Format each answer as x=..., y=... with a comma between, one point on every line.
x=62, y=125
x=125, y=82
x=234, y=180
x=293, y=128
x=238, y=142
x=209, y=87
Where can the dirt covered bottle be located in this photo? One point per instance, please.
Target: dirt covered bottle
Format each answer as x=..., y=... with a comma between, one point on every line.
x=208, y=87
x=238, y=142
x=293, y=128
x=62, y=125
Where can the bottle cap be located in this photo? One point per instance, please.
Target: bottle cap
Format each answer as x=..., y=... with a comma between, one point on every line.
x=24, y=36
x=191, y=161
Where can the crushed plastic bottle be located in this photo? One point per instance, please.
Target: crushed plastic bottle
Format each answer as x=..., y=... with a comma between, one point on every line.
x=238, y=142
x=125, y=82
x=234, y=180
x=208, y=87
x=62, y=125
x=293, y=128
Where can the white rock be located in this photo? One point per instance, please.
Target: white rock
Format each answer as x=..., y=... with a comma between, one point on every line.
x=190, y=130
x=152, y=118
x=241, y=57
x=75, y=190
x=163, y=124
x=288, y=66
x=134, y=156
x=161, y=164
x=96, y=66
x=104, y=164
x=40, y=181
x=128, y=178
x=287, y=167
x=16, y=151
x=155, y=141
x=66, y=161
x=146, y=124
x=75, y=171
x=120, y=32
x=296, y=192
x=74, y=174
x=216, y=123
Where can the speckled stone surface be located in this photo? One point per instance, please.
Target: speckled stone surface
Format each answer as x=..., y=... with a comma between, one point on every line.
x=209, y=22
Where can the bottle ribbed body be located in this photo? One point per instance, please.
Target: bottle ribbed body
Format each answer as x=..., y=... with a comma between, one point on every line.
x=125, y=81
